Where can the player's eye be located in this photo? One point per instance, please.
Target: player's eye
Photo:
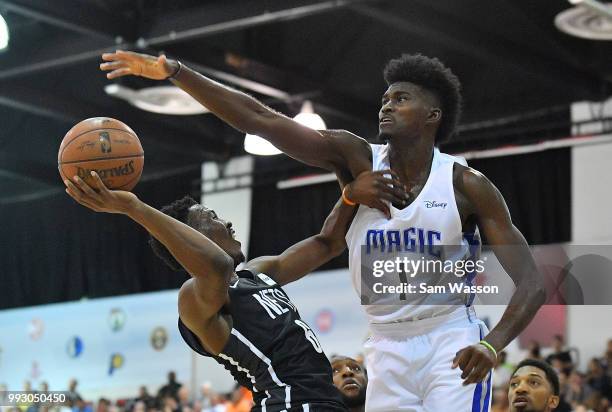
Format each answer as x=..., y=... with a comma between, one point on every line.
x=513, y=384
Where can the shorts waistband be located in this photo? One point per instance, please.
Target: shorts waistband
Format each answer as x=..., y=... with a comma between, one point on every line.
x=410, y=328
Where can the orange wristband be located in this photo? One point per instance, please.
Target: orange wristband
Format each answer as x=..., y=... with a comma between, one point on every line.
x=345, y=199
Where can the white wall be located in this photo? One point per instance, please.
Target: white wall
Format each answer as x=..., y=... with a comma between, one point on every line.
x=592, y=194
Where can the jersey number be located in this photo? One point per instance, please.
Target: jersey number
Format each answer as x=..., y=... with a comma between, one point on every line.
x=310, y=335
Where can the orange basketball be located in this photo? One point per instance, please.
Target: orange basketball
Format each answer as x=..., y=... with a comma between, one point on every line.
x=108, y=147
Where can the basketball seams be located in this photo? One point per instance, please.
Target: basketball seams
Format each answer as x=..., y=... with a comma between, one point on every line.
x=129, y=182
x=99, y=159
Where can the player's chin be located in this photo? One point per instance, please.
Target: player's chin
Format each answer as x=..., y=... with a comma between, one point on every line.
x=351, y=390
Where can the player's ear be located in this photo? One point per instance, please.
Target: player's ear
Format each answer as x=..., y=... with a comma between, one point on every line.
x=435, y=114
x=553, y=402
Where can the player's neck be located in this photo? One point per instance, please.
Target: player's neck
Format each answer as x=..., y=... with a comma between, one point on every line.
x=410, y=159
x=357, y=408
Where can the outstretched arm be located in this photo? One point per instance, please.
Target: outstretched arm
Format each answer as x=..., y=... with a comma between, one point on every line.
x=307, y=255
x=329, y=151
x=512, y=251
x=209, y=265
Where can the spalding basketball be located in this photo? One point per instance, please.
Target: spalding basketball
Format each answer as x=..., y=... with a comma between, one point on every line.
x=108, y=147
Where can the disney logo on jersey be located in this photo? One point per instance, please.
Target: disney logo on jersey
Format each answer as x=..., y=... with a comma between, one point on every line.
x=432, y=203
x=274, y=301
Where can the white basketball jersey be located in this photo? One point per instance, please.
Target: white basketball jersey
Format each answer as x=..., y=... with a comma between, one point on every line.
x=431, y=220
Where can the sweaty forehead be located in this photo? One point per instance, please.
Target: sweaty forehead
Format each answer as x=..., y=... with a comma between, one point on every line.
x=411, y=88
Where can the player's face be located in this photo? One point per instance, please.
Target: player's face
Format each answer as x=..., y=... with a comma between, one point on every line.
x=207, y=222
x=530, y=391
x=349, y=377
x=406, y=109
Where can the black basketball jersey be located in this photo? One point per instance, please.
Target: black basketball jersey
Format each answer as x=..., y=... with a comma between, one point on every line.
x=272, y=351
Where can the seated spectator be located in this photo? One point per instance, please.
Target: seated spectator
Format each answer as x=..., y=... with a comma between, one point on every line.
x=606, y=361
x=183, y=399
x=350, y=377
x=72, y=396
x=534, y=387
x=597, y=379
x=563, y=355
x=577, y=391
x=500, y=401
x=502, y=371
x=534, y=350
x=241, y=400
x=145, y=397
x=169, y=404
x=103, y=405
x=206, y=395
x=171, y=388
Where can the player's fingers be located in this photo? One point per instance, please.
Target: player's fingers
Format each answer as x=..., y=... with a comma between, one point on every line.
x=460, y=359
x=109, y=57
x=78, y=197
x=112, y=65
x=99, y=184
x=87, y=190
x=399, y=195
x=387, y=172
x=162, y=59
x=383, y=207
x=119, y=73
x=477, y=375
x=392, y=196
x=469, y=367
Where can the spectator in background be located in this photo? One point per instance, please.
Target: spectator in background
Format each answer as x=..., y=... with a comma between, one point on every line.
x=500, y=401
x=577, y=391
x=597, y=379
x=502, y=371
x=72, y=396
x=534, y=387
x=561, y=354
x=44, y=386
x=184, y=404
x=171, y=388
x=139, y=406
x=169, y=404
x=81, y=406
x=241, y=400
x=534, y=350
x=103, y=405
x=145, y=398
x=351, y=379
x=206, y=395
x=606, y=361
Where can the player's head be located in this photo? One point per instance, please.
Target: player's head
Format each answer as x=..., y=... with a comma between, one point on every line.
x=423, y=96
x=534, y=387
x=351, y=379
x=203, y=220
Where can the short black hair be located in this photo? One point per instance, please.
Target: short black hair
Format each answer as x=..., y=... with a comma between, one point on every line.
x=179, y=209
x=434, y=76
x=551, y=375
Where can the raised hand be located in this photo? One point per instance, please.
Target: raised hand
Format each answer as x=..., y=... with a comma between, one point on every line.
x=124, y=63
x=99, y=198
x=373, y=189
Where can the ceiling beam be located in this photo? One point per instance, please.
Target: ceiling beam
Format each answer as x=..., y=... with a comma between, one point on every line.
x=77, y=18
x=169, y=139
x=225, y=16
x=548, y=71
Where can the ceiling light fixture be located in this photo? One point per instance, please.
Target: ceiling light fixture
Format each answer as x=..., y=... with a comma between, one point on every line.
x=4, y=33
x=258, y=146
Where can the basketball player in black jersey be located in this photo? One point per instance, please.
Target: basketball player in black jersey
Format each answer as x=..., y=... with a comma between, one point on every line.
x=244, y=320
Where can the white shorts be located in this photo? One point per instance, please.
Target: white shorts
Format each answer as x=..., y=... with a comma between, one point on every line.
x=409, y=365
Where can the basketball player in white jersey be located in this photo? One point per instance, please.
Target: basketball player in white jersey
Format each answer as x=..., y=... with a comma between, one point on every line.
x=420, y=357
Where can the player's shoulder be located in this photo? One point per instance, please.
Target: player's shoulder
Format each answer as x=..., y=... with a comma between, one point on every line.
x=346, y=138
x=473, y=184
